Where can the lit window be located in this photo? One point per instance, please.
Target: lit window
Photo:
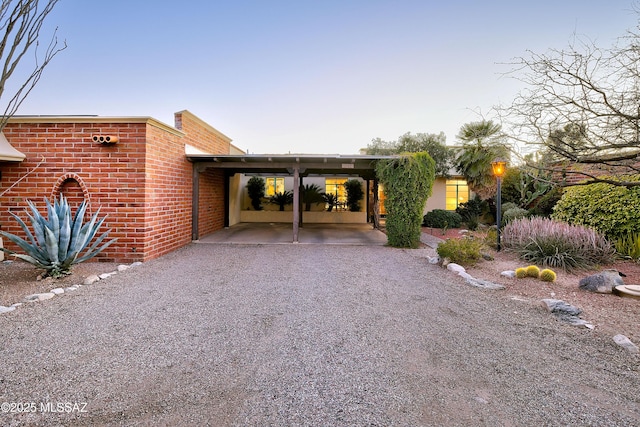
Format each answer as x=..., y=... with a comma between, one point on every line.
x=274, y=185
x=336, y=186
x=457, y=192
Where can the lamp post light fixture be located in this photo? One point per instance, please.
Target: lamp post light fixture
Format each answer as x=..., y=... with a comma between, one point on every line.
x=499, y=168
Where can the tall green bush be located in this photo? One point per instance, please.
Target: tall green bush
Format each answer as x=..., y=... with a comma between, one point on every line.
x=611, y=210
x=355, y=193
x=408, y=181
x=256, y=190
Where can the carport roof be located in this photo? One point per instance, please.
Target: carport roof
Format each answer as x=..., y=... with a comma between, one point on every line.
x=307, y=164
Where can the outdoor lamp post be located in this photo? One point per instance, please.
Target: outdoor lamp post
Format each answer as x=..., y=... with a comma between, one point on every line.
x=499, y=168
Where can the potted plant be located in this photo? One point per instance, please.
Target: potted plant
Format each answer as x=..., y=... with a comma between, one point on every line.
x=311, y=193
x=331, y=200
x=282, y=199
x=256, y=191
x=354, y=194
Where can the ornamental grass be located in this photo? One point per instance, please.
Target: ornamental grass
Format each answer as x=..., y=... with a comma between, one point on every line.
x=551, y=243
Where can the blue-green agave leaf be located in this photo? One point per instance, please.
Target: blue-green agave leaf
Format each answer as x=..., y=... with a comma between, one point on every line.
x=52, y=245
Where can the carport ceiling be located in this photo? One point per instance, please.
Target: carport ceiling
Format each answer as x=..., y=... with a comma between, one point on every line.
x=285, y=164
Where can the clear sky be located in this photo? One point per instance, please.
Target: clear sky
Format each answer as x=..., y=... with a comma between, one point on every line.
x=306, y=76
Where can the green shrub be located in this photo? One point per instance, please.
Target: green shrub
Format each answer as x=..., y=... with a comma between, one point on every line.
x=544, y=205
x=256, y=191
x=353, y=187
x=507, y=206
x=628, y=245
x=439, y=218
x=491, y=238
x=556, y=244
x=464, y=251
x=471, y=211
x=407, y=181
x=513, y=213
x=611, y=210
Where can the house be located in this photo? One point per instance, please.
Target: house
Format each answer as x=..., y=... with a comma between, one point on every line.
x=163, y=186
x=133, y=168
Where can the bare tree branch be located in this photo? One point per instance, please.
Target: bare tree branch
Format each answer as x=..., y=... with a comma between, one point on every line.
x=20, y=25
x=581, y=104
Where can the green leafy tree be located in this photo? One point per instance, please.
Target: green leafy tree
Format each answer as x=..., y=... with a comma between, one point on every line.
x=408, y=181
x=434, y=144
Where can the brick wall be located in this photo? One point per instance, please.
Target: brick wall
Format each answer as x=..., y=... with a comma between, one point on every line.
x=204, y=137
x=143, y=183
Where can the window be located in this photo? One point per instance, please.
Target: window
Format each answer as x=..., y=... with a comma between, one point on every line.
x=274, y=185
x=457, y=192
x=336, y=186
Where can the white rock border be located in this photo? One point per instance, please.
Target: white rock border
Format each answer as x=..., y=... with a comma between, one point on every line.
x=61, y=291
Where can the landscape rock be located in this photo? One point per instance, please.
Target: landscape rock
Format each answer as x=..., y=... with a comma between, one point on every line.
x=4, y=309
x=17, y=304
x=91, y=279
x=565, y=312
x=557, y=306
x=456, y=268
x=135, y=264
x=508, y=273
x=39, y=297
x=71, y=288
x=57, y=291
x=433, y=259
x=602, y=283
x=626, y=343
x=123, y=267
x=485, y=284
x=106, y=275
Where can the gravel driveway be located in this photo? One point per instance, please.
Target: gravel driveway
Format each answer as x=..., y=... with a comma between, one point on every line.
x=309, y=335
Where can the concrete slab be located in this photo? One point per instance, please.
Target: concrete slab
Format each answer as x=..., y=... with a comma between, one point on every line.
x=282, y=233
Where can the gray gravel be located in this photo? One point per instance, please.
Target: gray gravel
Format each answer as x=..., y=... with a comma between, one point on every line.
x=306, y=335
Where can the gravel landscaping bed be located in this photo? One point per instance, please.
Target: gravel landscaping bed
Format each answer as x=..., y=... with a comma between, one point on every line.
x=254, y=335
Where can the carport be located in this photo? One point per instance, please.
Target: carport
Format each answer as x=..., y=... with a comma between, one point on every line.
x=297, y=165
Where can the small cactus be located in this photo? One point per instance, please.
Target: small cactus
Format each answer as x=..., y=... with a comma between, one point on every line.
x=521, y=273
x=547, y=275
x=533, y=271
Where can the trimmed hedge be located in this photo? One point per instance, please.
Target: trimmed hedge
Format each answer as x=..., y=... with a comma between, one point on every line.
x=439, y=218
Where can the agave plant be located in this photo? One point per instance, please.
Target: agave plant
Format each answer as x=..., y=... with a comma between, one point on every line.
x=57, y=242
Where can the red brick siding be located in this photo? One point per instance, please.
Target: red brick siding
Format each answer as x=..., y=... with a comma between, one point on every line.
x=211, y=208
x=143, y=183
x=202, y=136
x=113, y=175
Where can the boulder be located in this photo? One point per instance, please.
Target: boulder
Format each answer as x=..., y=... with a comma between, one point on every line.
x=602, y=283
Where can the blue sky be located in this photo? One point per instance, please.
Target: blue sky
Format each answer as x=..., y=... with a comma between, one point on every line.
x=304, y=76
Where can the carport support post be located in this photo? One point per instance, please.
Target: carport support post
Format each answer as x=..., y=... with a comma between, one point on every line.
x=296, y=202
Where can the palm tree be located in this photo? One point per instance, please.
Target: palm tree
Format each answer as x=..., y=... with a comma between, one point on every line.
x=482, y=144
